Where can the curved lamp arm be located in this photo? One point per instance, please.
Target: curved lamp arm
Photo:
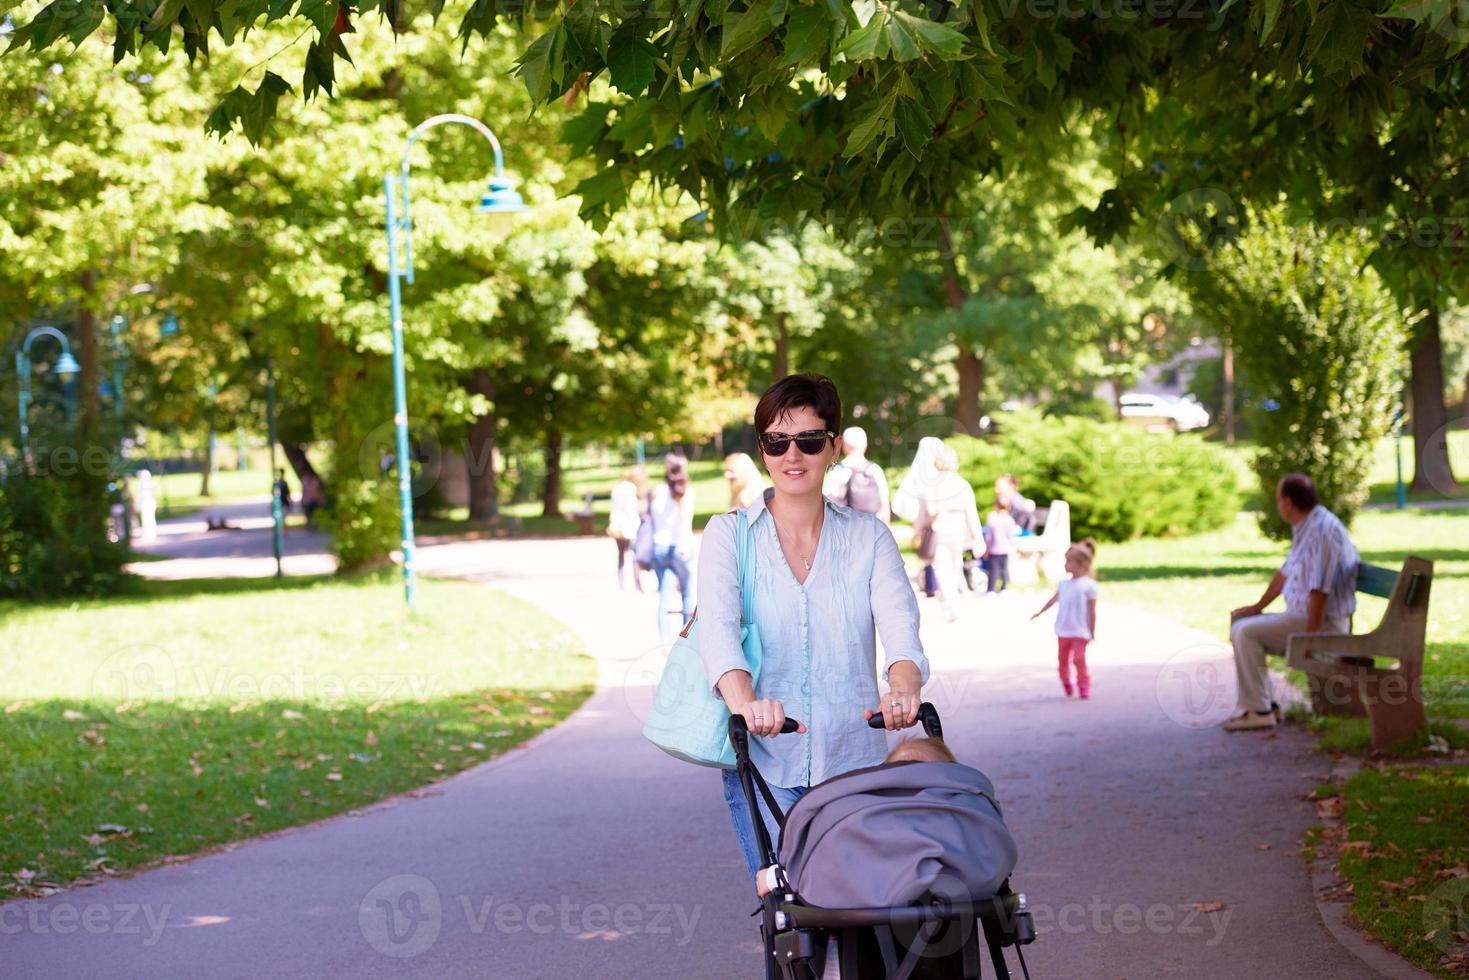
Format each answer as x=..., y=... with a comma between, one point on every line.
x=40, y=332
x=419, y=130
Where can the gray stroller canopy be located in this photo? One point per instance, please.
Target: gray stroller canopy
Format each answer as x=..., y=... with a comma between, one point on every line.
x=888, y=835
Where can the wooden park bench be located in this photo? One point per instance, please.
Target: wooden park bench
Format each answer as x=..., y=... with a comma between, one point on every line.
x=584, y=518
x=1346, y=671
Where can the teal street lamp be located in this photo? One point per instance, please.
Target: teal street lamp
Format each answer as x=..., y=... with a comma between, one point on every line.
x=500, y=198
x=66, y=367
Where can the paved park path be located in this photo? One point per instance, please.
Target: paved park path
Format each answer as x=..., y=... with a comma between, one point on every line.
x=1152, y=845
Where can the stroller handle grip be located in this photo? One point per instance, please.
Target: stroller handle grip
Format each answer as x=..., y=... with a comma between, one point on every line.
x=738, y=726
x=928, y=716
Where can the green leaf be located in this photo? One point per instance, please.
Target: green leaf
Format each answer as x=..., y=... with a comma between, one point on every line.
x=865, y=43
x=751, y=27
x=540, y=66
x=982, y=24
x=879, y=121
x=1272, y=14
x=321, y=13
x=584, y=130
x=901, y=42
x=915, y=126
x=261, y=111
x=935, y=38
x=807, y=37
x=630, y=60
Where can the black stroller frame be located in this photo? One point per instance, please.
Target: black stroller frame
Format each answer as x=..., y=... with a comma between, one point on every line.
x=905, y=937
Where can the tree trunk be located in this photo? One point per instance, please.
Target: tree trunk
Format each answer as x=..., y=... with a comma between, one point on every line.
x=971, y=383
x=1431, y=470
x=551, y=495
x=782, y=346
x=1226, y=407
x=89, y=379
x=296, y=456
x=208, y=462
x=971, y=363
x=479, y=456
x=1117, y=387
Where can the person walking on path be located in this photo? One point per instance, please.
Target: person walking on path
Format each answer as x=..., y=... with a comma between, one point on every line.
x=283, y=490
x=623, y=523
x=1001, y=533
x=921, y=477
x=145, y=505
x=828, y=580
x=745, y=482
x=672, y=513
x=947, y=526
x=857, y=482
x=1076, y=617
x=1319, y=581
x=1021, y=507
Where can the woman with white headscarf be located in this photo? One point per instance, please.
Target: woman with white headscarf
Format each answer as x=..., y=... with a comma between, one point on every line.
x=922, y=477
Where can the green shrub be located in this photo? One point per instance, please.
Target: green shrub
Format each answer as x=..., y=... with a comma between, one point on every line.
x=1120, y=481
x=53, y=537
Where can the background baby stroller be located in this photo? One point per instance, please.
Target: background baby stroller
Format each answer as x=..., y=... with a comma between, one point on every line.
x=933, y=937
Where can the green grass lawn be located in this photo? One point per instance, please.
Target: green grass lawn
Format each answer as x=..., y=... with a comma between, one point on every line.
x=1407, y=855
x=196, y=713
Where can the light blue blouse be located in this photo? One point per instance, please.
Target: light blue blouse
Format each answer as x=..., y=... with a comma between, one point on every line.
x=819, y=638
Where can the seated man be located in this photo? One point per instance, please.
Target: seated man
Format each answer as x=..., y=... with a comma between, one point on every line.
x=1319, y=579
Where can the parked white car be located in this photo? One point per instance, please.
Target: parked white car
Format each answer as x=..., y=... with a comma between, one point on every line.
x=1164, y=412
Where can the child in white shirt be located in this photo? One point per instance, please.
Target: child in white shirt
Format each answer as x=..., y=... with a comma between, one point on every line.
x=1076, y=619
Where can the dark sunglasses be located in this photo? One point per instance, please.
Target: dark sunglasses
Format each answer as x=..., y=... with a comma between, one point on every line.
x=810, y=442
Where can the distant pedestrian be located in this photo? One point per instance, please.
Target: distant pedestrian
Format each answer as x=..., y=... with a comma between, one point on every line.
x=1021, y=507
x=145, y=505
x=1076, y=617
x=313, y=497
x=625, y=519
x=921, y=478
x=947, y=526
x=857, y=482
x=745, y=482
x=672, y=514
x=1001, y=533
x=283, y=490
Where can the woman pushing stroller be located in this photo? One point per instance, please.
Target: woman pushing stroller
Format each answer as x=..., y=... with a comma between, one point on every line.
x=827, y=580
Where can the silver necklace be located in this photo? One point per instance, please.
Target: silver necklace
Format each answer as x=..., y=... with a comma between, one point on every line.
x=804, y=560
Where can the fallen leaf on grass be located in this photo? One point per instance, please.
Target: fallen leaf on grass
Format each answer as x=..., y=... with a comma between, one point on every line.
x=1458, y=871
x=291, y=715
x=334, y=777
x=12, y=708
x=369, y=739
x=536, y=709
x=71, y=715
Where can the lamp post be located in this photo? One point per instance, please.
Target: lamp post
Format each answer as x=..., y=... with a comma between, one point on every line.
x=66, y=366
x=500, y=198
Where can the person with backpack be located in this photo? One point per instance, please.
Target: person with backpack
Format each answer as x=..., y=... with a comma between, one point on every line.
x=856, y=481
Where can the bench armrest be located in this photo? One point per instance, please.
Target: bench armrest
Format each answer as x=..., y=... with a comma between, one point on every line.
x=1299, y=648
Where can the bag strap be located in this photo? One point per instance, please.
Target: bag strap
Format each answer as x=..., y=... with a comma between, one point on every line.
x=745, y=555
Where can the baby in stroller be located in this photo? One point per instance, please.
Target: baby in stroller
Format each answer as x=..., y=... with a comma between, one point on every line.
x=888, y=873
x=924, y=749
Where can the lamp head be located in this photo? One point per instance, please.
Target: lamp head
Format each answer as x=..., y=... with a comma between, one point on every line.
x=66, y=365
x=501, y=198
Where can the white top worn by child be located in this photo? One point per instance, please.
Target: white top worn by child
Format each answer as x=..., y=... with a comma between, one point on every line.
x=1076, y=617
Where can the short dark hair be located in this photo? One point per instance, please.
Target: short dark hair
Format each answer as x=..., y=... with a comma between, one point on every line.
x=814, y=391
x=1299, y=489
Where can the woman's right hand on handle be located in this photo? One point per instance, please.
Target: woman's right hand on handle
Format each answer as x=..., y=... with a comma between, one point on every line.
x=765, y=716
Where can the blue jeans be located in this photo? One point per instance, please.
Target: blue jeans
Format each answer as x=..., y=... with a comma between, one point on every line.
x=666, y=560
x=744, y=828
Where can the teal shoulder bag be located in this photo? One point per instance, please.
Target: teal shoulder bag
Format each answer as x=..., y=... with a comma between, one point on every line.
x=687, y=721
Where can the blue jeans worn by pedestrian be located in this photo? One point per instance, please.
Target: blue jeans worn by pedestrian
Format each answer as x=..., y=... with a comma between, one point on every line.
x=668, y=560
x=744, y=828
